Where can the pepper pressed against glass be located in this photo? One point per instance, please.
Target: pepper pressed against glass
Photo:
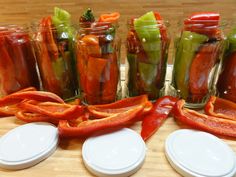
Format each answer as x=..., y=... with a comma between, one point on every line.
x=147, y=47
x=54, y=46
x=199, y=50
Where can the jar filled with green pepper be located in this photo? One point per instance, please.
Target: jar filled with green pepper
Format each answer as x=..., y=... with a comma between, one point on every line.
x=147, y=50
x=198, y=54
x=54, y=47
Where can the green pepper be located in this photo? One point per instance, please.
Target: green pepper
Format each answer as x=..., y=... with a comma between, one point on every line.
x=148, y=74
x=186, y=50
x=149, y=34
x=132, y=74
x=232, y=41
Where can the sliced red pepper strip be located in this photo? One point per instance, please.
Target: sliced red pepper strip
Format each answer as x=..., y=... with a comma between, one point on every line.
x=53, y=110
x=11, y=110
x=34, y=117
x=124, y=102
x=204, y=122
x=95, y=69
x=87, y=128
x=200, y=70
x=162, y=26
x=155, y=118
x=204, y=23
x=111, y=77
x=112, y=17
x=106, y=112
x=51, y=44
x=222, y=108
x=8, y=110
x=31, y=95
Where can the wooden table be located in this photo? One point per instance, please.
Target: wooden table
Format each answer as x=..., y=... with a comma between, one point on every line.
x=67, y=160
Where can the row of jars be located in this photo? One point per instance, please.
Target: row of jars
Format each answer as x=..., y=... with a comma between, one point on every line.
x=86, y=62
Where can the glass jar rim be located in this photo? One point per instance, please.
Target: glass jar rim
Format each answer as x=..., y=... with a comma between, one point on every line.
x=11, y=29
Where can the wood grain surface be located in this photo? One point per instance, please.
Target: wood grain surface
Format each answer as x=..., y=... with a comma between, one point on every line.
x=25, y=11
x=67, y=160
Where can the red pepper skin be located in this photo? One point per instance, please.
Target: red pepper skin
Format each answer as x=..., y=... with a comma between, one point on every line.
x=53, y=110
x=87, y=128
x=158, y=114
x=34, y=117
x=31, y=95
x=222, y=108
x=204, y=122
x=204, y=23
x=227, y=80
x=200, y=70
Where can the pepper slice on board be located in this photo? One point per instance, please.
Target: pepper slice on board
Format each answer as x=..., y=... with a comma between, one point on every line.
x=158, y=114
x=87, y=128
x=53, y=110
x=31, y=95
x=220, y=107
x=106, y=110
x=204, y=122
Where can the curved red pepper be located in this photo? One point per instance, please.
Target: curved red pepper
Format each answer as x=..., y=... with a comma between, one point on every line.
x=53, y=110
x=204, y=23
x=155, y=118
x=34, y=117
x=200, y=70
x=204, y=122
x=31, y=95
x=87, y=128
x=222, y=108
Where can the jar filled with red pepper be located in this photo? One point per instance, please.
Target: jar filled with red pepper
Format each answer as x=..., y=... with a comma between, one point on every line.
x=198, y=54
x=227, y=81
x=54, y=47
x=98, y=58
x=147, y=51
x=17, y=62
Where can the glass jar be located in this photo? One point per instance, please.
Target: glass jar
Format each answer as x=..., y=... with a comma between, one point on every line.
x=198, y=54
x=54, y=47
x=147, y=52
x=17, y=62
x=98, y=62
x=227, y=81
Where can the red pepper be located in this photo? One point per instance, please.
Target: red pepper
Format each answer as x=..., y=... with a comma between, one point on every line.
x=111, y=77
x=89, y=127
x=50, y=82
x=53, y=110
x=227, y=80
x=155, y=118
x=204, y=122
x=34, y=117
x=204, y=23
x=222, y=108
x=200, y=69
x=112, y=17
x=31, y=95
x=8, y=82
x=8, y=110
x=161, y=26
x=106, y=110
x=95, y=69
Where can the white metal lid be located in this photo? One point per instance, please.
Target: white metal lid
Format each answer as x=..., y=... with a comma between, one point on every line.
x=120, y=153
x=200, y=154
x=27, y=145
